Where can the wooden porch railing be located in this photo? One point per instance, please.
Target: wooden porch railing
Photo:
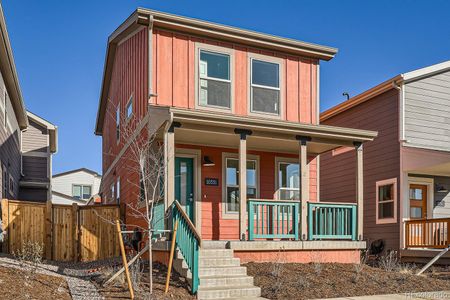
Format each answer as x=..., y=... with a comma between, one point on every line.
x=188, y=241
x=331, y=221
x=273, y=219
x=427, y=233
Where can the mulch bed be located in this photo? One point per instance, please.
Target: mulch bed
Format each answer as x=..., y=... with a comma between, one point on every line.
x=312, y=281
x=20, y=284
x=179, y=289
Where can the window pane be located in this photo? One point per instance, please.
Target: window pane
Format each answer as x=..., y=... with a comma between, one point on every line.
x=386, y=210
x=386, y=192
x=76, y=191
x=216, y=93
x=232, y=175
x=415, y=194
x=251, y=173
x=265, y=100
x=289, y=175
x=232, y=199
x=416, y=212
x=251, y=193
x=118, y=116
x=130, y=108
x=289, y=194
x=86, y=192
x=265, y=73
x=214, y=65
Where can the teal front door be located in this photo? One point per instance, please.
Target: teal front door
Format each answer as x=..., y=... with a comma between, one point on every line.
x=184, y=184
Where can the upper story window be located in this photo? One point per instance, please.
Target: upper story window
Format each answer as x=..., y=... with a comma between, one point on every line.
x=118, y=123
x=80, y=191
x=265, y=92
x=129, y=109
x=214, y=79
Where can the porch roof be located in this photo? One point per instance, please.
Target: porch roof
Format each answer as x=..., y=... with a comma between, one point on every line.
x=217, y=129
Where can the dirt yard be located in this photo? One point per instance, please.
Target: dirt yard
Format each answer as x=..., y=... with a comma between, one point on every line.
x=310, y=281
x=17, y=284
x=179, y=289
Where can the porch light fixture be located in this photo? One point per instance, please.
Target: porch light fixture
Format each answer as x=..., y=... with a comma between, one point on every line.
x=207, y=162
x=441, y=189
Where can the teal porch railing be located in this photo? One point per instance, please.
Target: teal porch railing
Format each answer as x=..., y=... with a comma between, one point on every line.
x=273, y=219
x=187, y=241
x=331, y=221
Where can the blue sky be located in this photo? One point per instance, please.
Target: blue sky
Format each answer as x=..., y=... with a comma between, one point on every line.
x=59, y=49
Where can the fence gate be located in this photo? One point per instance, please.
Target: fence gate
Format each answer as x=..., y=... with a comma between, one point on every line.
x=67, y=232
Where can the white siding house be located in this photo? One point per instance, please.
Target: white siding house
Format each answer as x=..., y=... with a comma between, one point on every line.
x=76, y=186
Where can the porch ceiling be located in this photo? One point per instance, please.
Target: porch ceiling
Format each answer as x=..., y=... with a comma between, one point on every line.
x=217, y=129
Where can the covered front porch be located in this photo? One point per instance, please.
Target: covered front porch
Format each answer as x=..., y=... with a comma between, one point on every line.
x=256, y=179
x=426, y=203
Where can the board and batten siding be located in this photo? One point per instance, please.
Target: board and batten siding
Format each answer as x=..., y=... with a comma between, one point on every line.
x=427, y=112
x=9, y=143
x=381, y=161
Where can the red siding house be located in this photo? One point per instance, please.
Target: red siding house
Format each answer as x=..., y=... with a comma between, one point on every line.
x=407, y=167
x=238, y=114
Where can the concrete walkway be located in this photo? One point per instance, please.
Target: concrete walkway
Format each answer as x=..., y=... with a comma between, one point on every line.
x=405, y=296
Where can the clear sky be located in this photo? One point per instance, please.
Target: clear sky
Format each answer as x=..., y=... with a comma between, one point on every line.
x=59, y=48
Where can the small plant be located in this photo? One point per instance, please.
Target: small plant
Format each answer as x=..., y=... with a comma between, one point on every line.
x=389, y=262
x=29, y=257
x=317, y=261
x=359, y=267
x=277, y=269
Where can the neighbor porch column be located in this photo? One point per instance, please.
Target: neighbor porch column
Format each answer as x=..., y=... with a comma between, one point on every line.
x=304, y=184
x=170, y=164
x=242, y=181
x=359, y=188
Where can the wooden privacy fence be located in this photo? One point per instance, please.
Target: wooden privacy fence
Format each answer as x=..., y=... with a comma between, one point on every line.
x=67, y=232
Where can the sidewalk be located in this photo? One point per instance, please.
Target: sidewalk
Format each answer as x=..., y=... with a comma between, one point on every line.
x=404, y=296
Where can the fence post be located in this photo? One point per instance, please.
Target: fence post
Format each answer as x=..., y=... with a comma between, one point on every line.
x=310, y=222
x=295, y=216
x=354, y=220
x=250, y=220
x=74, y=231
x=5, y=221
x=48, y=230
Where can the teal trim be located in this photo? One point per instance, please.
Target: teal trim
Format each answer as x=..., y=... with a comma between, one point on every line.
x=331, y=221
x=273, y=219
x=158, y=217
x=188, y=242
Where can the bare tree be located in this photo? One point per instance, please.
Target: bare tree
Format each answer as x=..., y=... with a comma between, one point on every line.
x=143, y=155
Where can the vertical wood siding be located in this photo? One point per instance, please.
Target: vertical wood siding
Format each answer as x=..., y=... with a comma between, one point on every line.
x=381, y=161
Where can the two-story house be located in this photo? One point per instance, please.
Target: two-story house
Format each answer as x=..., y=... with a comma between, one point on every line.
x=407, y=167
x=75, y=186
x=238, y=114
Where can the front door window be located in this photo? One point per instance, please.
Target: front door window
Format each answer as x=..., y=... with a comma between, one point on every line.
x=418, y=201
x=184, y=184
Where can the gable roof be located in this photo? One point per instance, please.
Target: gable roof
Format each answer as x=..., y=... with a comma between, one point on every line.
x=9, y=74
x=391, y=83
x=76, y=171
x=147, y=17
x=52, y=130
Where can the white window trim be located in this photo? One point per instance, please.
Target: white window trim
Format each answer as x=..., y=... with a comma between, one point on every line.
x=378, y=184
x=269, y=59
x=219, y=50
x=82, y=185
x=226, y=155
x=129, y=102
x=278, y=161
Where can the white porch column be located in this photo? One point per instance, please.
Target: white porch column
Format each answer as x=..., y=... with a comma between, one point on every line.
x=242, y=181
x=170, y=165
x=304, y=184
x=359, y=188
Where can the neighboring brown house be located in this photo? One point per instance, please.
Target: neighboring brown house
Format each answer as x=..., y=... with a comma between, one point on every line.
x=407, y=167
x=39, y=143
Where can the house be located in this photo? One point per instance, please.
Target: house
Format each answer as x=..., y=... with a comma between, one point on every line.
x=75, y=186
x=13, y=118
x=238, y=114
x=39, y=143
x=407, y=167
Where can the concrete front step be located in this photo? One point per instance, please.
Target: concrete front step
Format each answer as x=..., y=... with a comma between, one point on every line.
x=224, y=271
x=214, y=245
x=216, y=281
x=228, y=292
x=215, y=253
x=219, y=262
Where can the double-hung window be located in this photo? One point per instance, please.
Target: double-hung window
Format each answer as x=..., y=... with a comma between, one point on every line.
x=118, y=191
x=232, y=183
x=265, y=92
x=80, y=191
x=386, y=201
x=288, y=181
x=214, y=80
x=129, y=108
x=118, y=123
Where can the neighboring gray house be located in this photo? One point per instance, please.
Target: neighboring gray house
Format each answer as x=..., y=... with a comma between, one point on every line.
x=13, y=118
x=39, y=143
x=407, y=167
x=75, y=186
